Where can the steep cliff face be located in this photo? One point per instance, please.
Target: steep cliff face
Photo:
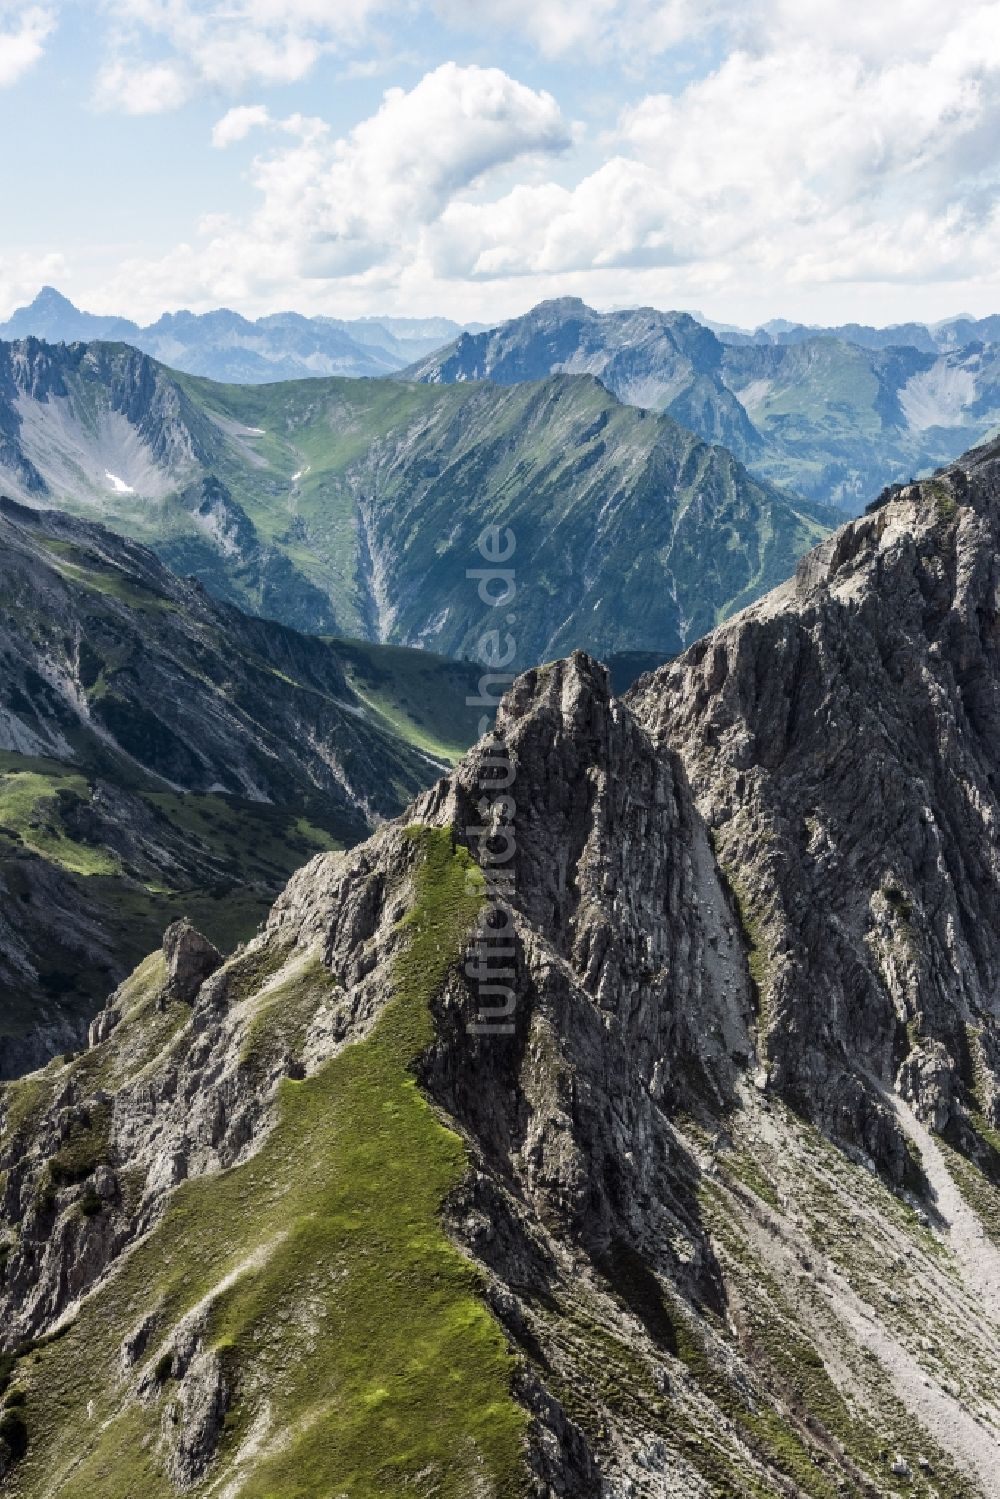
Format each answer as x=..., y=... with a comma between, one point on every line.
x=842, y=741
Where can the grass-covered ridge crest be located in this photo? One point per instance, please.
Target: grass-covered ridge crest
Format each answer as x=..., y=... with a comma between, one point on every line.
x=357, y=1355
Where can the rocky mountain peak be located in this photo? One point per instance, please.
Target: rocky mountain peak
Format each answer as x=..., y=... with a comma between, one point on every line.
x=840, y=740
x=684, y=1008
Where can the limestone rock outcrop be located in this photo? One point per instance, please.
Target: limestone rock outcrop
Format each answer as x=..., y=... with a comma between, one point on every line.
x=702, y=997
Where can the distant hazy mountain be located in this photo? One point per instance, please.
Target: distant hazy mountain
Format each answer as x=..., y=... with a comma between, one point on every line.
x=355, y=506
x=953, y=333
x=779, y=331
x=834, y=414
x=225, y=346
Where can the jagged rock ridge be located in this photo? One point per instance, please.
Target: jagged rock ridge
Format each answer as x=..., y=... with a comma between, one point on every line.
x=841, y=737
x=714, y=1278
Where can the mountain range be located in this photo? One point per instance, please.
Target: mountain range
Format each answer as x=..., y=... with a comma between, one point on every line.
x=356, y=506
x=225, y=346
x=828, y=414
x=832, y=413
x=929, y=338
x=668, y=1164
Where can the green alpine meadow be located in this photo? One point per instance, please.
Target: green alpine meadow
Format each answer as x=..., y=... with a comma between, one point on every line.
x=354, y=507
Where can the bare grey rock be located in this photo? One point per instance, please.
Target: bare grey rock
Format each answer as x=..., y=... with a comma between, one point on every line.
x=191, y=959
x=929, y=1079
x=102, y=1025
x=840, y=737
x=774, y=863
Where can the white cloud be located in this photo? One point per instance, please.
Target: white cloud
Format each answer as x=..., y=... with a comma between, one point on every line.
x=23, y=42
x=360, y=206
x=800, y=161
x=597, y=28
x=254, y=42
x=236, y=124
x=223, y=46
x=828, y=145
x=878, y=33
x=138, y=88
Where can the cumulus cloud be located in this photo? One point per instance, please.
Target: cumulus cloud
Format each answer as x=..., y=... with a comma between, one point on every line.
x=22, y=40
x=22, y=274
x=236, y=124
x=825, y=144
x=361, y=205
x=142, y=88
x=803, y=160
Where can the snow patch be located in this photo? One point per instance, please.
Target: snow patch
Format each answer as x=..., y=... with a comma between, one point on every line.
x=118, y=485
x=255, y=431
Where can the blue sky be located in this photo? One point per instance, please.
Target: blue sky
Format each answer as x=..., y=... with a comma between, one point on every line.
x=819, y=160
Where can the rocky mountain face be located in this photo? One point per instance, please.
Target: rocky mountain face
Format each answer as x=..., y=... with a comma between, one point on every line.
x=666, y=361
x=225, y=346
x=839, y=738
x=160, y=752
x=621, y=1121
x=842, y=420
x=833, y=414
x=357, y=507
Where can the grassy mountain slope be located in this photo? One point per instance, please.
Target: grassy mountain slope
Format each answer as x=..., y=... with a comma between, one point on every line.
x=402, y=1363
x=165, y=755
x=355, y=507
x=832, y=415
x=605, y=504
